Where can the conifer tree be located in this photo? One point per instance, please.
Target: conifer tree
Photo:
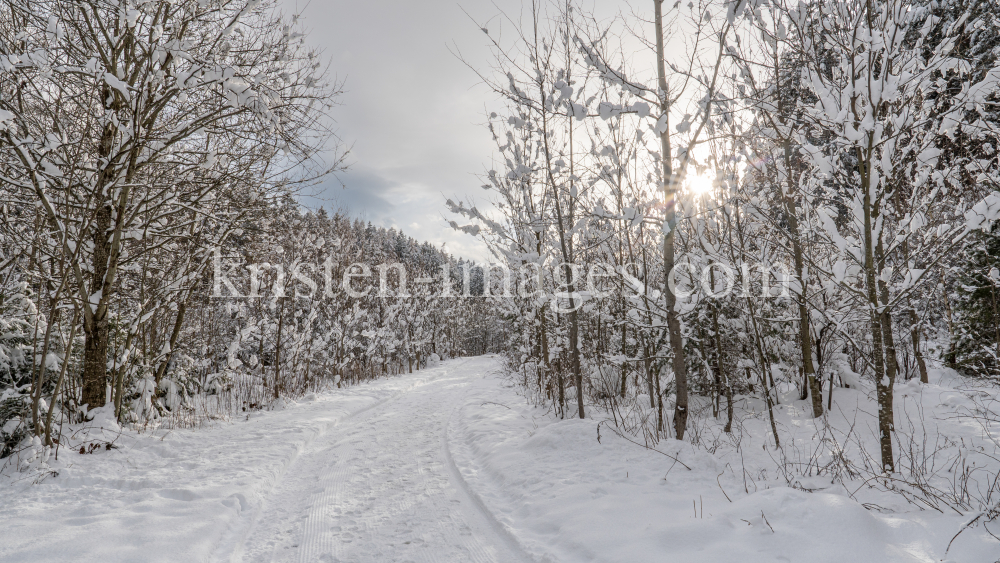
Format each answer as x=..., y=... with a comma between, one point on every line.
x=977, y=324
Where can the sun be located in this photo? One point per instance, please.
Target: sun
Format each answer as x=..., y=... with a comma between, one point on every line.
x=699, y=184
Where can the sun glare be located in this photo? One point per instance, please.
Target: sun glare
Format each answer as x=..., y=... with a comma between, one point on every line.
x=699, y=184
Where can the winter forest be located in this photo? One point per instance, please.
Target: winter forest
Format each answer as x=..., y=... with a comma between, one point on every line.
x=738, y=291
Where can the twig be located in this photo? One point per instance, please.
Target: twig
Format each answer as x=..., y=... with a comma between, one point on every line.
x=720, y=486
x=766, y=522
x=620, y=435
x=969, y=525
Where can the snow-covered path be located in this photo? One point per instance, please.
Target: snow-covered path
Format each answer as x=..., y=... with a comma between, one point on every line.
x=382, y=486
x=445, y=465
x=358, y=474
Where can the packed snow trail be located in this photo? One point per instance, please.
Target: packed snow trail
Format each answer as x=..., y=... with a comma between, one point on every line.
x=382, y=486
x=451, y=465
x=355, y=474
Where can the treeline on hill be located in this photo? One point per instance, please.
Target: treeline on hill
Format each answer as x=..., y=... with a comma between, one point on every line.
x=142, y=144
x=313, y=298
x=819, y=177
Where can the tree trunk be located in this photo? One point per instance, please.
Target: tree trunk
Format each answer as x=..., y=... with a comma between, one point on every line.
x=883, y=383
x=106, y=236
x=883, y=390
x=95, y=320
x=562, y=388
x=161, y=370
x=59, y=382
x=764, y=371
x=277, y=350
x=804, y=389
x=805, y=344
x=728, y=384
x=712, y=371
x=624, y=384
x=648, y=363
x=949, y=357
x=39, y=379
x=95, y=361
x=915, y=338
x=669, y=225
x=819, y=362
x=659, y=402
x=770, y=411
x=574, y=342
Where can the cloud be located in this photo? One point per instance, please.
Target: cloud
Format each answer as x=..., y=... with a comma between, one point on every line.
x=389, y=201
x=412, y=111
x=361, y=191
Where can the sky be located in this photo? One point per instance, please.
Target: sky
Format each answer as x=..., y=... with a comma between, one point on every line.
x=412, y=112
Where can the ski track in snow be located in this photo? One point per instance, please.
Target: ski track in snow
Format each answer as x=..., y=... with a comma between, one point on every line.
x=381, y=485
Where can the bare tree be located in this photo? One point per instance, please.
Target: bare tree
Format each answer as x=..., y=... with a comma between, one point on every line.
x=149, y=129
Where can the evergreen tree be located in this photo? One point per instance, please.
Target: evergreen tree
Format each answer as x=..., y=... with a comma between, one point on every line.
x=977, y=326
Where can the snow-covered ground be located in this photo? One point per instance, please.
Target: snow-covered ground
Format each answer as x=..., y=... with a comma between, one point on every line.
x=447, y=464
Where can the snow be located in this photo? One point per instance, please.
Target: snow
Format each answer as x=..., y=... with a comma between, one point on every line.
x=114, y=82
x=451, y=464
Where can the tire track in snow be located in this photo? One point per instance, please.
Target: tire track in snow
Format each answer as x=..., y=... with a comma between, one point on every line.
x=233, y=545
x=385, y=488
x=333, y=487
x=516, y=552
x=399, y=489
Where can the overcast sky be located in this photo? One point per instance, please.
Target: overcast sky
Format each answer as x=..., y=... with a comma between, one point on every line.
x=413, y=112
